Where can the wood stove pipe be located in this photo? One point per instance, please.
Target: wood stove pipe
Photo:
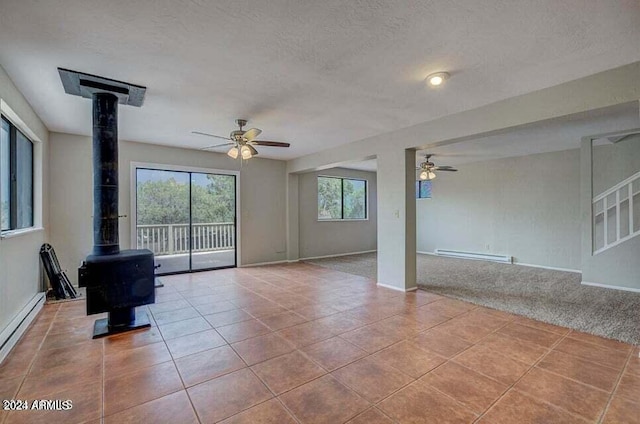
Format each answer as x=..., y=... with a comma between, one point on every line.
x=105, y=174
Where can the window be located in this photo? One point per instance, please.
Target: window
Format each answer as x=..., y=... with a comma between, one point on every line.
x=423, y=189
x=341, y=198
x=16, y=178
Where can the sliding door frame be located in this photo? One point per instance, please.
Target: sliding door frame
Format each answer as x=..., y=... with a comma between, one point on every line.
x=178, y=168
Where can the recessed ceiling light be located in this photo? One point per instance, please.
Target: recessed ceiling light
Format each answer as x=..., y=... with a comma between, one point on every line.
x=437, y=79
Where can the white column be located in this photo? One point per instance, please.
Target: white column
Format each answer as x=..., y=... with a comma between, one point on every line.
x=293, y=232
x=396, y=178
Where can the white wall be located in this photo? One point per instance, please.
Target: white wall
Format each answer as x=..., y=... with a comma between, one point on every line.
x=618, y=266
x=262, y=197
x=613, y=163
x=318, y=238
x=20, y=273
x=526, y=207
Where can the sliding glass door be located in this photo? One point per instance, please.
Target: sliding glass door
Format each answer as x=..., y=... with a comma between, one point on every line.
x=188, y=219
x=213, y=221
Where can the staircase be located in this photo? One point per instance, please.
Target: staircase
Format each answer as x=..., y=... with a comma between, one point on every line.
x=616, y=214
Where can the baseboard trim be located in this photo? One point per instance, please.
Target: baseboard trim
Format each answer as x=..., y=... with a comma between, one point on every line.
x=16, y=328
x=386, y=286
x=553, y=268
x=291, y=261
x=265, y=263
x=337, y=255
x=605, y=286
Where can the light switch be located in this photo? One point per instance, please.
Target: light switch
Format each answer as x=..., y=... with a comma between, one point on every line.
x=397, y=213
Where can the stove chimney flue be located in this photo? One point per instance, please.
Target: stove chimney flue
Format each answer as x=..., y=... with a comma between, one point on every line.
x=105, y=174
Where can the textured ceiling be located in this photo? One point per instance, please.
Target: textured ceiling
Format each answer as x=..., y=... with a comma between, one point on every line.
x=313, y=73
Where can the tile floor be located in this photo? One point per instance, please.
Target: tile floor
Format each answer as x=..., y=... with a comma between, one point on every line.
x=304, y=344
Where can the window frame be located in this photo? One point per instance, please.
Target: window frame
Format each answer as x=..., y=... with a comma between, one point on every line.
x=14, y=130
x=342, y=218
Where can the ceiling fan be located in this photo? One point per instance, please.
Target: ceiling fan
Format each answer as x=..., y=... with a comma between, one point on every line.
x=242, y=141
x=427, y=168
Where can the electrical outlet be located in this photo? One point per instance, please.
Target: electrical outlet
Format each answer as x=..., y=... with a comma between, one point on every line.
x=396, y=213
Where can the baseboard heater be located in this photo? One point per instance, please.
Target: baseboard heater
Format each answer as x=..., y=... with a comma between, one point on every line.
x=477, y=256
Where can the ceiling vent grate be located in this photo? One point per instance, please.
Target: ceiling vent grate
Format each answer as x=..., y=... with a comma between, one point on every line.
x=86, y=85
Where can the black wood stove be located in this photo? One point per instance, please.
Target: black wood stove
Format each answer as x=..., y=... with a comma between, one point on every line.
x=117, y=281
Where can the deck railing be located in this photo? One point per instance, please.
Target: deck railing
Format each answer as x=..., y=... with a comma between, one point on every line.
x=170, y=239
x=616, y=214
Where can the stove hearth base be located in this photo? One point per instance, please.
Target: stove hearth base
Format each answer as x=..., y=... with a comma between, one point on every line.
x=120, y=321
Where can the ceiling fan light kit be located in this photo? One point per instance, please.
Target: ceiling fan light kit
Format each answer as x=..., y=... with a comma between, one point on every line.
x=427, y=169
x=242, y=142
x=233, y=152
x=247, y=152
x=427, y=175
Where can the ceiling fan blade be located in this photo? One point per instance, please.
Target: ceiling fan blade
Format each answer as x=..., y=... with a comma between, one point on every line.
x=218, y=145
x=251, y=134
x=209, y=135
x=270, y=143
x=444, y=166
x=445, y=169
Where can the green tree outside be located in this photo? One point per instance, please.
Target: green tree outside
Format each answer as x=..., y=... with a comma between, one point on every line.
x=167, y=201
x=341, y=198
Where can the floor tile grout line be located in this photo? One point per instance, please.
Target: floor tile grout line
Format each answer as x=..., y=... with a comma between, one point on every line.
x=38, y=350
x=140, y=404
x=571, y=331
x=590, y=361
x=193, y=407
x=274, y=396
x=451, y=359
x=327, y=374
x=442, y=364
x=369, y=357
x=104, y=381
x=380, y=411
x=130, y=372
x=172, y=360
x=277, y=396
x=510, y=387
x=591, y=386
x=616, y=386
x=23, y=377
x=534, y=365
x=290, y=412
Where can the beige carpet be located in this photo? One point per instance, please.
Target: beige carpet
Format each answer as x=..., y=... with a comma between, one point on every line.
x=554, y=297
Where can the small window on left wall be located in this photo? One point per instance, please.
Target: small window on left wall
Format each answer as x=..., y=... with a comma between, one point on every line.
x=16, y=178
